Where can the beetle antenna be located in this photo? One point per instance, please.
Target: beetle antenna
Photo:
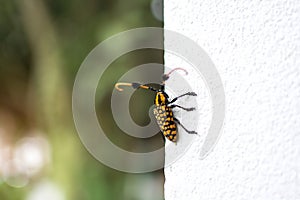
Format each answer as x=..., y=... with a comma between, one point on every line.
x=134, y=86
x=122, y=84
x=167, y=76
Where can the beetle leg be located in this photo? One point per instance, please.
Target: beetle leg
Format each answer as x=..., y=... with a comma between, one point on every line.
x=186, y=94
x=189, y=132
x=183, y=108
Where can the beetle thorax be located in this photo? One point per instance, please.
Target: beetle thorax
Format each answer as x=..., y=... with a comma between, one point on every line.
x=160, y=99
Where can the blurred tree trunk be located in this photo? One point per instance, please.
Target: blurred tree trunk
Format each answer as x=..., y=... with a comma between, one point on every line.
x=49, y=91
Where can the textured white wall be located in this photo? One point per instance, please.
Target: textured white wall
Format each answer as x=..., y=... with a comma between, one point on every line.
x=255, y=46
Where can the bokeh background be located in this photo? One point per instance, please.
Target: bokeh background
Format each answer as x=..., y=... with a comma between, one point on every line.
x=42, y=45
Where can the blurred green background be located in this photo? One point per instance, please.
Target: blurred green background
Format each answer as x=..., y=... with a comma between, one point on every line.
x=42, y=45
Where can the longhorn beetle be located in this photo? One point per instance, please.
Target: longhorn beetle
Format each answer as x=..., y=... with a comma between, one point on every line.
x=163, y=107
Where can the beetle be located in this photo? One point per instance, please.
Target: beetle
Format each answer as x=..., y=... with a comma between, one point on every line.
x=163, y=107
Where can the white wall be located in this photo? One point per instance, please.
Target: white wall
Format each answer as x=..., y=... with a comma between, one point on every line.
x=255, y=46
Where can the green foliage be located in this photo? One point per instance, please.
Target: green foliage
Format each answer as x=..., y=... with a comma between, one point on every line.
x=35, y=88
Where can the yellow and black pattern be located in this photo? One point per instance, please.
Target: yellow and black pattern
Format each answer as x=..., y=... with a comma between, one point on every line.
x=165, y=121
